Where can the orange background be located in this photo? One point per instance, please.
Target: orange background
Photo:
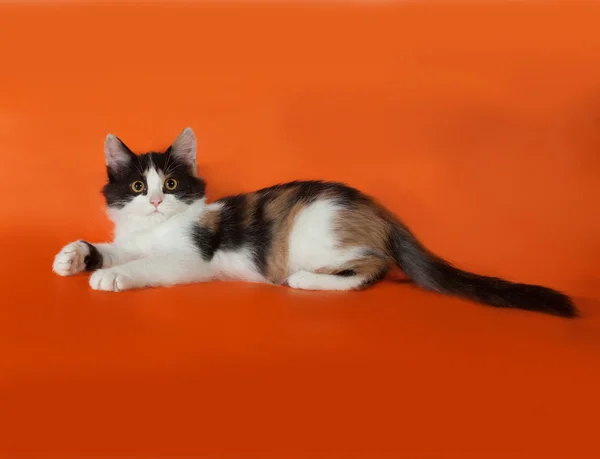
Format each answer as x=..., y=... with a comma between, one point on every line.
x=478, y=124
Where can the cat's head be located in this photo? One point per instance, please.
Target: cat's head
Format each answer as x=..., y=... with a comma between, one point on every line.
x=150, y=188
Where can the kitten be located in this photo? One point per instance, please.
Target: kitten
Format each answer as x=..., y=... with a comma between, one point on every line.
x=310, y=235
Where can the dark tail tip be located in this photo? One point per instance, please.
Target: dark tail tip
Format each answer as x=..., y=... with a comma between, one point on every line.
x=546, y=300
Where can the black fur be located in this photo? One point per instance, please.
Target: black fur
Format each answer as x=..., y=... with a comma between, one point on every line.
x=94, y=260
x=117, y=192
x=206, y=241
x=233, y=234
x=432, y=273
x=260, y=233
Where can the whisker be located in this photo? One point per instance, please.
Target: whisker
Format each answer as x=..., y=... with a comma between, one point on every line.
x=138, y=167
x=170, y=166
x=167, y=164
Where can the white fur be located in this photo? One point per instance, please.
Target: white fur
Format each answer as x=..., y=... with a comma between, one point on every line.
x=153, y=246
x=155, y=181
x=152, y=271
x=235, y=265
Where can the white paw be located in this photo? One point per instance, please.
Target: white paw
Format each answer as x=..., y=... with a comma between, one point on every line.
x=110, y=280
x=71, y=259
x=303, y=280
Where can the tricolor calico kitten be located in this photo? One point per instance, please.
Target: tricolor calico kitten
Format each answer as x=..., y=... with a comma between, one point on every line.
x=309, y=235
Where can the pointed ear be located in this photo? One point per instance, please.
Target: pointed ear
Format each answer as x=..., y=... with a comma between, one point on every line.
x=118, y=156
x=184, y=149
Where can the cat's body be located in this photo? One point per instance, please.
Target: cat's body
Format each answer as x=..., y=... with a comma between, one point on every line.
x=309, y=235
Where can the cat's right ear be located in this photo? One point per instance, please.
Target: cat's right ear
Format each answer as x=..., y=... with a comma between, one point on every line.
x=118, y=156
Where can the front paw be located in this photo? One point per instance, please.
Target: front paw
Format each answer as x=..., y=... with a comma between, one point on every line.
x=110, y=280
x=71, y=259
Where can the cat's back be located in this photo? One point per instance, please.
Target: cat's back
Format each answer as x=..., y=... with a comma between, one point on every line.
x=277, y=199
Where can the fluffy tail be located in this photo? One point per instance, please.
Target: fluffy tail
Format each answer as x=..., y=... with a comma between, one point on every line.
x=432, y=273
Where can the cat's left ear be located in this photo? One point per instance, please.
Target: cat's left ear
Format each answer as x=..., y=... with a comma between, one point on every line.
x=184, y=149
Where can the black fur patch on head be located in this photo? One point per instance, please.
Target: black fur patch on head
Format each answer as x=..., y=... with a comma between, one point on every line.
x=118, y=192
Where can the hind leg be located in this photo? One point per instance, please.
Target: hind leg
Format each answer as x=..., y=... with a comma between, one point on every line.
x=353, y=275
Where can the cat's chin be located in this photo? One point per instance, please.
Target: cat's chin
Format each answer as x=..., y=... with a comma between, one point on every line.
x=135, y=221
x=152, y=219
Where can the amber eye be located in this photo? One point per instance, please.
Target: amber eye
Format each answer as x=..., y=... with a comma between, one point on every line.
x=138, y=186
x=170, y=184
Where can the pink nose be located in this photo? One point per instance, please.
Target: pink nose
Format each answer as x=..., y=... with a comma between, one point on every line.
x=155, y=202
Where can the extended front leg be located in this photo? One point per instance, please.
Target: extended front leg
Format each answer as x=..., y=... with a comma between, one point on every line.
x=151, y=272
x=82, y=256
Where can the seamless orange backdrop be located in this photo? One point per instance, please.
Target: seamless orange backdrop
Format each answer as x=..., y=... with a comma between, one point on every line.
x=477, y=123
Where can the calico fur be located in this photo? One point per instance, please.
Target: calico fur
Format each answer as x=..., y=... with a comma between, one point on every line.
x=310, y=235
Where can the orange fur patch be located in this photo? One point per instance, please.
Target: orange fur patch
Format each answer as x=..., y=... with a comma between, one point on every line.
x=282, y=211
x=210, y=220
x=364, y=225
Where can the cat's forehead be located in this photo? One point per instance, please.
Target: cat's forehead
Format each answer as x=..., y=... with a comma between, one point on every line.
x=152, y=161
x=162, y=163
